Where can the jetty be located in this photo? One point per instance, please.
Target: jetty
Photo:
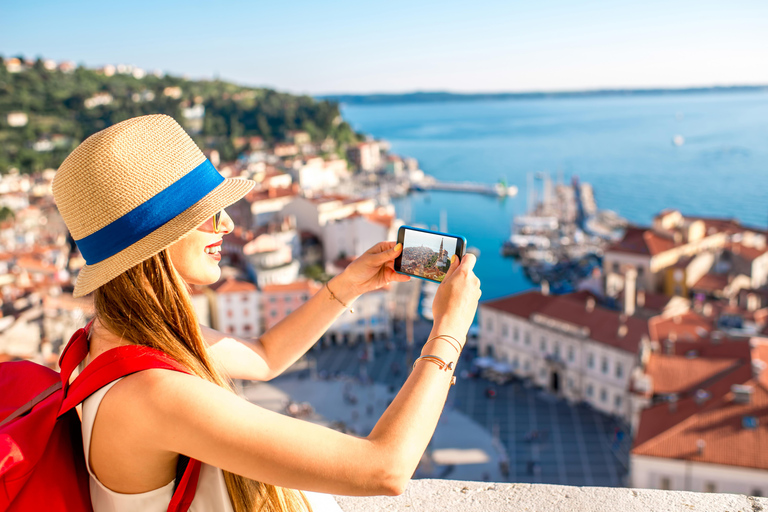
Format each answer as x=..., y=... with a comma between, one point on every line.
x=498, y=189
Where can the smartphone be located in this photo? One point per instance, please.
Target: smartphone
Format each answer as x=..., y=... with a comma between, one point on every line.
x=427, y=254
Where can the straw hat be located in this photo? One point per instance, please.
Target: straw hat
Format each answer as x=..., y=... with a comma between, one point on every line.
x=133, y=189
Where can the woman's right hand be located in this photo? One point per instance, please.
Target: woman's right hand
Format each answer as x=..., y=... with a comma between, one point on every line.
x=456, y=299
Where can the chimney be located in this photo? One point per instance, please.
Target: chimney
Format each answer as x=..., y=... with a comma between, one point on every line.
x=544, y=287
x=700, y=445
x=622, y=330
x=640, y=298
x=672, y=400
x=758, y=367
x=630, y=285
x=742, y=394
x=590, y=304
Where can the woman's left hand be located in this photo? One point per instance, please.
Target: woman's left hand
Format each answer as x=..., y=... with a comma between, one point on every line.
x=372, y=270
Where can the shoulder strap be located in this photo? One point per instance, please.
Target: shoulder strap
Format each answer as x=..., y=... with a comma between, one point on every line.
x=108, y=367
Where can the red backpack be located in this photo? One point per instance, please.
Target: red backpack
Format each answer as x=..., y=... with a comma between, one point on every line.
x=42, y=464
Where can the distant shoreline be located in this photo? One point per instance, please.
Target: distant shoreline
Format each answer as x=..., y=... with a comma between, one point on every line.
x=440, y=96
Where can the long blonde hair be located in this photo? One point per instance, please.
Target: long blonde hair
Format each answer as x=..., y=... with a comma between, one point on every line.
x=150, y=305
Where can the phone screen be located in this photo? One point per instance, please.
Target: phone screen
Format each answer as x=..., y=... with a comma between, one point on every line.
x=427, y=254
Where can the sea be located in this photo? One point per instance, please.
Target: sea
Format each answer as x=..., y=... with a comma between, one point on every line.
x=624, y=146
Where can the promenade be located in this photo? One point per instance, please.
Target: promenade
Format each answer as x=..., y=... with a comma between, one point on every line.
x=522, y=435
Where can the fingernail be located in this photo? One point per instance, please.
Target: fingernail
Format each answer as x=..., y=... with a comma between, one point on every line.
x=398, y=247
x=453, y=259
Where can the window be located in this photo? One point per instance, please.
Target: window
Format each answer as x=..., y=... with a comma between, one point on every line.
x=247, y=327
x=489, y=324
x=231, y=329
x=527, y=366
x=287, y=312
x=570, y=383
x=273, y=313
x=245, y=298
x=229, y=313
x=287, y=299
x=557, y=349
x=571, y=355
x=603, y=395
x=604, y=365
x=527, y=338
x=617, y=401
x=756, y=492
x=616, y=267
x=516, y=333
x=590, y=360
x=710, y=487
x=665, y=484
x=504, y=330
x=543, y=344
x=590, y=390
x=619, y=370
x=272, y=300
x=304, y=297
x=515, y=363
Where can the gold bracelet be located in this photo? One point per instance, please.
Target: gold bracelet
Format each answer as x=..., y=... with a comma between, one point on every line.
x=440, y=362
x=446, y=337
x=351, y=310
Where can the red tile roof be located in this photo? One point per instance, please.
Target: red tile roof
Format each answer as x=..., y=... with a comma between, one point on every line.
x=679, y=374
x=638, y=240
x=302, y=285
x=746, y=252
x=711, y=283
x=718, y=422
x=232, y=285
x=603, y=324
x=688, y=326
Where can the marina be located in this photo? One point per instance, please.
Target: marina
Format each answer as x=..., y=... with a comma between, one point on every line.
x=561, y=238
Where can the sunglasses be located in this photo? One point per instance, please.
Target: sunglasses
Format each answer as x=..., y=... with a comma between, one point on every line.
x=217, y=221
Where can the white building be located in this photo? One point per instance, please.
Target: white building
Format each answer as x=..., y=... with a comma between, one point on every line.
x=312, y=214
x=315, y=174
x=235, y=308
x=566, y=344
x=368, y=318
x=353, y=235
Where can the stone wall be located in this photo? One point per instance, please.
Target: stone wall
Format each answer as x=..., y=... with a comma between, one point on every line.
x=457, y=496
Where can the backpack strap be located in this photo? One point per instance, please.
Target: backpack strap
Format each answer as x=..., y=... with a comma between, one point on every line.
x=108, y=367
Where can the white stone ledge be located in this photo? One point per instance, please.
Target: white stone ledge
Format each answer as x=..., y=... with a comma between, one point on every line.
x=457, y=496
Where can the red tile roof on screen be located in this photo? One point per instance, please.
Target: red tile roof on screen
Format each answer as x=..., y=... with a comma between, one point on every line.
x=603, y=324
x=645, y=241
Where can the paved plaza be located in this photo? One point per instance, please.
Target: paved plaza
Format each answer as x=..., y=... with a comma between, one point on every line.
x=531, y=435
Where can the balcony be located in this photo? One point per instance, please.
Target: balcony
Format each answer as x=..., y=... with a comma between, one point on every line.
x=439, y=495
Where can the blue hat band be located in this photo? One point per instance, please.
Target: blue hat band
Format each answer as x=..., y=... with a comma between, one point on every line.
x=150, y=215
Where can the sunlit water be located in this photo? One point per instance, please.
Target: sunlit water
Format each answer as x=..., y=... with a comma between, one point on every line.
x=621, y=145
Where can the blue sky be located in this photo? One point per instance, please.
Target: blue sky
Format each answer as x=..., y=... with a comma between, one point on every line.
x=398, y=46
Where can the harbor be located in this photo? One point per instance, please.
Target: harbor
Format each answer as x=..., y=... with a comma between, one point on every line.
x=561, y=237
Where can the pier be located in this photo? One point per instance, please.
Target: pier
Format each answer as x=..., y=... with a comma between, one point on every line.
x=498, y=189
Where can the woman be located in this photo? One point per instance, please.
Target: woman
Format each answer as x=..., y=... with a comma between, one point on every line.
x=146, y=210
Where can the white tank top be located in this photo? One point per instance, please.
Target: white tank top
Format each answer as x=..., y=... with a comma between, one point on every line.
x=211, y=495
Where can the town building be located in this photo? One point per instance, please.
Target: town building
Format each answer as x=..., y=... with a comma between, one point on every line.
x=280, y=300
x=566, y=344
x=366, y=156
x=353, y=235
x=235, y=307
x=707, y=426
x=313, y=213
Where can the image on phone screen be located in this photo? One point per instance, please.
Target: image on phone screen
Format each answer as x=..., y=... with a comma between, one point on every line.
x=427, y=255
